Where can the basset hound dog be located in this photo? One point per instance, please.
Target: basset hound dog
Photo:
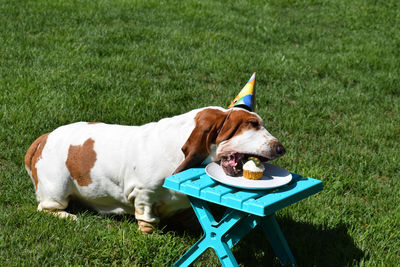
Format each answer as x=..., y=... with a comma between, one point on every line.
x=121, y=169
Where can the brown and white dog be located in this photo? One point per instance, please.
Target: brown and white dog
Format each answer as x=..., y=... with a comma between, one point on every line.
x=120, y=169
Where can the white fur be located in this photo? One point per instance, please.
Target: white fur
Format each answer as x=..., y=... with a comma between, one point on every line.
x=255, y=142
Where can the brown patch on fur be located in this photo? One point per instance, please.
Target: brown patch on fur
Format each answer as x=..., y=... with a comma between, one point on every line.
x=93, y=122
x=197, y=146
x=33, y=155
x=212, y=127
x=80, y=161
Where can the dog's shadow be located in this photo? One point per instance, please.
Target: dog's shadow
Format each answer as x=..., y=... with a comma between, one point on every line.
x=311, y=245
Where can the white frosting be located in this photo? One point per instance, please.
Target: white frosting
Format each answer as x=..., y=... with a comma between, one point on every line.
x=251, y=166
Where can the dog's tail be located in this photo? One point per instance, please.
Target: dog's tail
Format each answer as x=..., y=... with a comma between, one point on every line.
x=33, y=154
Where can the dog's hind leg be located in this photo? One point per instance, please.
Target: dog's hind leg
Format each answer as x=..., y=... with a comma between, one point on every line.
x=50, y=177
x=56, y=208
x=53, y=198
x=53, y=189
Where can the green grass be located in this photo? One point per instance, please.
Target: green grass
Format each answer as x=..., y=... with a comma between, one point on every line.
x=328, y=86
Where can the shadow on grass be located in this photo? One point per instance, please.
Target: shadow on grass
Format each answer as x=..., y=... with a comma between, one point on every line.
x=311, y=245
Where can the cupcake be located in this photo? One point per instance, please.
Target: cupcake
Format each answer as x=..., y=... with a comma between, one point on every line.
x=253, y=169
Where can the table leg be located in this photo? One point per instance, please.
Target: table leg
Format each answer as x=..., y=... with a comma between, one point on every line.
x=214, y=233
x=193, y=253
x=242, y=229
x=225, y=254
x=277, y=240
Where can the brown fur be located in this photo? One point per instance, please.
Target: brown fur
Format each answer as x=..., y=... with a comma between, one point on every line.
x=33, y=155
x=80, y=161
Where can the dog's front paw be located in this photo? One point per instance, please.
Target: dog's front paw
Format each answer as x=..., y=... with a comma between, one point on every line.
x=146, y=227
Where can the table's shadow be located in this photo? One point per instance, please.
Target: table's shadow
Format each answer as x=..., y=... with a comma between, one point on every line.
x=311, y=245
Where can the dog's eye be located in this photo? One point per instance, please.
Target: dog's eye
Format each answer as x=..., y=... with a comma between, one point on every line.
x=255, y=124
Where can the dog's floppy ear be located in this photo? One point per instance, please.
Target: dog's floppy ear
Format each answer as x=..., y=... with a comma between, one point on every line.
x=227, y=131
x=197, y=146
x=232, y=125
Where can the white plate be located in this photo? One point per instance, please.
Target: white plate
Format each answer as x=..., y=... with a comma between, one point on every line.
x=273, y=177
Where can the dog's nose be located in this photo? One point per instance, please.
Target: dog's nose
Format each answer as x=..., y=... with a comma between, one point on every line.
x=279, y=149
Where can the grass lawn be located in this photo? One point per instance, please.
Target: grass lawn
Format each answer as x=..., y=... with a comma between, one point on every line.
x=328, y=86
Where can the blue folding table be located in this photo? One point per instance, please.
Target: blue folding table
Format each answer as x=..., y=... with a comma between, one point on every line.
x=245, y=210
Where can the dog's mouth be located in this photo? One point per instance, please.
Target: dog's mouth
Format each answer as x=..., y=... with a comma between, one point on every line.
x=232, y=163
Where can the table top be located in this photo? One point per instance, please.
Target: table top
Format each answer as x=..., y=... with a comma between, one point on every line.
x=196, y=183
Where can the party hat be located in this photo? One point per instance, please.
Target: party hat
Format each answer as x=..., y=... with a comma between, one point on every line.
x=245, y=99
